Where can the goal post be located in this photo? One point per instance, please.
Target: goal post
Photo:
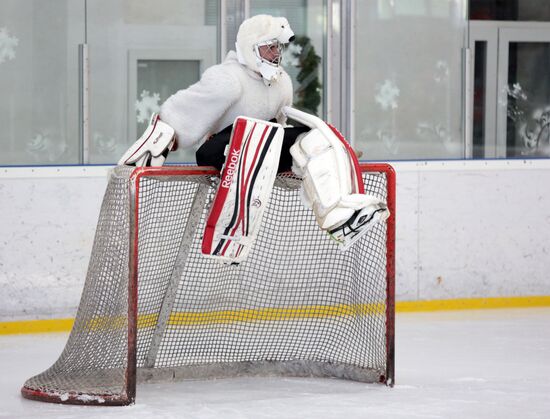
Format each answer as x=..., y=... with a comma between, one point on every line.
x=154, y=308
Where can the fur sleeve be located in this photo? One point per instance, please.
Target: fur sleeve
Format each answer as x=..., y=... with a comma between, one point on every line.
x=193, y=112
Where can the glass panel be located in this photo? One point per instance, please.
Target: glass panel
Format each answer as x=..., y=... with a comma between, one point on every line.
x=523, y=10
x=528, y=113
x=304, y=58
x=408, y=79
x=141, y=53
x=39, y=81
x=480, y=90
x=159, y=79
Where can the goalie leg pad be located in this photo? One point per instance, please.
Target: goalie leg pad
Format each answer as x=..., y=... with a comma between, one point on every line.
x=243, y=192
x=359, y=224
x=152, y=148
x=329, y=180
x=332, y=181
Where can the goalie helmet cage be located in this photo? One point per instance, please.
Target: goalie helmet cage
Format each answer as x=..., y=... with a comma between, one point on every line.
x=153, y=308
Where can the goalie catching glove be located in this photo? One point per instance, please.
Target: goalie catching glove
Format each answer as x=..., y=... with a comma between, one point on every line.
x=332, y=181
x=152, y=148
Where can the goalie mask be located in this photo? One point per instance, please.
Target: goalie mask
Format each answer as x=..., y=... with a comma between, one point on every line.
x=260, y=43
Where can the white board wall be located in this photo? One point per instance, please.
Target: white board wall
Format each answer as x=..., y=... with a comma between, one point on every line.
x=464, y=230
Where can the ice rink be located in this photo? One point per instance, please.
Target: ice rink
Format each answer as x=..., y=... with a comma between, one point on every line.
x=463, y=364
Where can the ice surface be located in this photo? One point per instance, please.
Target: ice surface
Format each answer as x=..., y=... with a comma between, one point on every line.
x=471, y=364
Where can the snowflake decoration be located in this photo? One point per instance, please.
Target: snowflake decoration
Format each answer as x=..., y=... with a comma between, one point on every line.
x=7, y=45
x=437, y=132
x=514, y=91
x=45, y=146
x=38, y=143
x=389, y=140
x=542, y=115
x=291, y=55
x=387, y=95
x=103, y=144
x=441, y=71
x=295, y=49
x=148, y=105
x=536, y=132
x=518, y=106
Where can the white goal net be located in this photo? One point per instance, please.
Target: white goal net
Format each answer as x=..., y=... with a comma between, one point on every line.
x=154, y=308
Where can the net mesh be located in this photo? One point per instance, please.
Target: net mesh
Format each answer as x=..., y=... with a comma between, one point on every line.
x=297, y=305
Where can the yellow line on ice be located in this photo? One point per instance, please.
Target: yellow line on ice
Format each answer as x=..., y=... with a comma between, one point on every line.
x=36, y=326
x=473, y=303
x=189, y=318
x=276, y=314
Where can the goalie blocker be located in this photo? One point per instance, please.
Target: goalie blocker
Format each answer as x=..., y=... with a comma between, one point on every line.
x=152, y=148
x=332, y=182
x=246, y=181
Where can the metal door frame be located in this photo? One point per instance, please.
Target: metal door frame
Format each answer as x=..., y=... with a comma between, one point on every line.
x=498, y=35
x=483, y=32
x=524, y=32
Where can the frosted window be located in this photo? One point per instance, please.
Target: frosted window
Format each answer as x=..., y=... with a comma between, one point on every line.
x=407, y=79
x=157, y=80
x=528, y=100
x=39, y=81
x=140, y=53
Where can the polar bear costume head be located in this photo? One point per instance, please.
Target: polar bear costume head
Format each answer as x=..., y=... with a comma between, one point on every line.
x=260, y=42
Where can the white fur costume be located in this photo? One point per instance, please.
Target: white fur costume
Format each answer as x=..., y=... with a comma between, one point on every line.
x=250, y=82
x=244, y=84
x=226, y=91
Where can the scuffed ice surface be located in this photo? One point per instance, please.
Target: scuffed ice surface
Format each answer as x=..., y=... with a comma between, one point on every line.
x=476, y=364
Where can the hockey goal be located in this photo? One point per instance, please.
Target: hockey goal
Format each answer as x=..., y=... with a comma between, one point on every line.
x=153, y=308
